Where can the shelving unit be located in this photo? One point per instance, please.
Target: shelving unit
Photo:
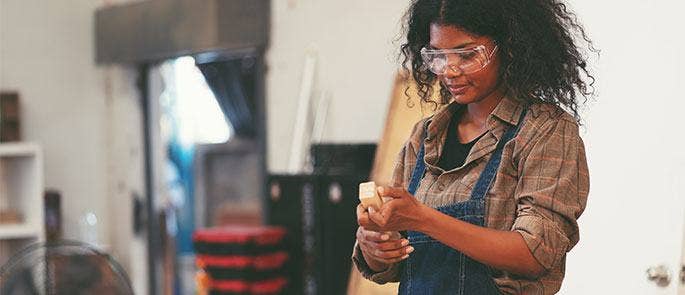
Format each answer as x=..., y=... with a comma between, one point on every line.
x=21, y=190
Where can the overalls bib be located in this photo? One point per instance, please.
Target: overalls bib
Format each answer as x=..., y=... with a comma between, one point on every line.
x=435, y=268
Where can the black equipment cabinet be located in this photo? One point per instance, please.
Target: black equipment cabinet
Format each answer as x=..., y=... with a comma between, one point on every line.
x=319, y=213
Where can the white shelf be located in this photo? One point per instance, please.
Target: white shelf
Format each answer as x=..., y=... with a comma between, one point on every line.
x=21, y=191
x=18, y=231
x=20, y=149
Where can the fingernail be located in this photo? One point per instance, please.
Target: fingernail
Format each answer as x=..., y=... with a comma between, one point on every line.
x=410, y=249
x=405, y=242
x=405, y=256
x=385, y=237
x=371, y=210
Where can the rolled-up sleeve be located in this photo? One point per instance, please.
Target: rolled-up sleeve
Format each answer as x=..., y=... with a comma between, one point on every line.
x=552, y=192
x=391, y=274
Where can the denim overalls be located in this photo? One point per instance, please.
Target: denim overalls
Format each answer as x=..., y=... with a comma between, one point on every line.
x=435, y=268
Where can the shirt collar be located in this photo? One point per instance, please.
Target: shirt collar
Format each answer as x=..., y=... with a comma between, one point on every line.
x=508, y=110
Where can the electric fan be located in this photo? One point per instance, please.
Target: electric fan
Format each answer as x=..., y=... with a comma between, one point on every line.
x=63, y=268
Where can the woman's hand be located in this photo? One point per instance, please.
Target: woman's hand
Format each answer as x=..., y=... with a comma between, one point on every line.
x=505, y=250
x=380, y=249
x=402, y=212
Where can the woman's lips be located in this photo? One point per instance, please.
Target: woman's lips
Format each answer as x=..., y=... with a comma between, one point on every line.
x=457, y=89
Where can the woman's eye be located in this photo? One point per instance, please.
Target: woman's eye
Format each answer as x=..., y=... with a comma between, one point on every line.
x=467, y=55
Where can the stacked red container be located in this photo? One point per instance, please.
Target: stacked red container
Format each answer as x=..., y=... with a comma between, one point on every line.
x=242, y=260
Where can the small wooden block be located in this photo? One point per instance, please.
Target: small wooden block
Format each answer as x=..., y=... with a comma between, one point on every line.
x=368, y=195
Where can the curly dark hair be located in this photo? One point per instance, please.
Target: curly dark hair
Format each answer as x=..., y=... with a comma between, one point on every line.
x=540, y=60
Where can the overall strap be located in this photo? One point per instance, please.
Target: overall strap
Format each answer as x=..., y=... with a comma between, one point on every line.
x=488, y=175
x=420, y=168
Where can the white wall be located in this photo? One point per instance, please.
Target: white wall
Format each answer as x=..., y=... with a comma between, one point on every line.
x=46, y=53
x=86, y=118
x=634, y=218
x=356, y=65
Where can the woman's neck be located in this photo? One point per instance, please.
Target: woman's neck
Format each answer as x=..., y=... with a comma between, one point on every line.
x=477, y=112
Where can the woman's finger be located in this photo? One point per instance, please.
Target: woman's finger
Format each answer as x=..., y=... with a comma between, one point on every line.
x=367, y=247
x=363, y=220
x=395, y=235
x=360, y=210
x=371, y=249
x=392, y=245
x=361, y=213
x=374, y=236
x=393, y=253
x=386, y=246
x=360, y=233
x=387, y=258
x=377, y=218
x=369, y=225
x=392, y=192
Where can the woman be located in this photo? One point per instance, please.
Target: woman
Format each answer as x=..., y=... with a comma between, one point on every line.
x=487, y=191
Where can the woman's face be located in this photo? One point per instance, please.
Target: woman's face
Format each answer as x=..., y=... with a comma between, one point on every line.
x=466, y=88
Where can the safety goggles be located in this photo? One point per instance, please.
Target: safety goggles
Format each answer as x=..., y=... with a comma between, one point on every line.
x=463, y=60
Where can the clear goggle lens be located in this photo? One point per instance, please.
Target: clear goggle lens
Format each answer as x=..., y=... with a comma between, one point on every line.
x=466, y=61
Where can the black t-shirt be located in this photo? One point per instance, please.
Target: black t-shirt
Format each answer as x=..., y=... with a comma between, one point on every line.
x=454, y=153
